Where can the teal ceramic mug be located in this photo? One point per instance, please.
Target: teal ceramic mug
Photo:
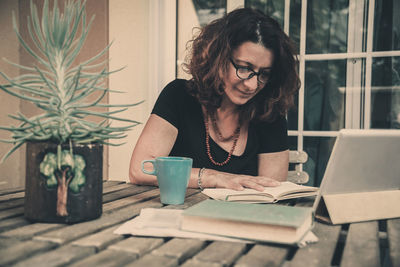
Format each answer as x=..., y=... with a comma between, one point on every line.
x=173, y=175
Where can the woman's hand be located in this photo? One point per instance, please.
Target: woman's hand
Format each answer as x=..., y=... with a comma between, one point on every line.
x=212, y=178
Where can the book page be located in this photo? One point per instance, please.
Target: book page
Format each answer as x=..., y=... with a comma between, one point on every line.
x=269, y=195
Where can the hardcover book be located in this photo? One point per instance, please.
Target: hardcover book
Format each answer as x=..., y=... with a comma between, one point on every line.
x=286, y=190
x=268, y=223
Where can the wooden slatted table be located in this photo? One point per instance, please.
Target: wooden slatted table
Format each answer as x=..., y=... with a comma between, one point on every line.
x=93, y=243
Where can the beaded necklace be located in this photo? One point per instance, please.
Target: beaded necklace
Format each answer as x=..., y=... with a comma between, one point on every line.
x=236, y=135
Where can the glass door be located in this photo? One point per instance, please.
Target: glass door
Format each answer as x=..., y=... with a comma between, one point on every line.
x=349, y=65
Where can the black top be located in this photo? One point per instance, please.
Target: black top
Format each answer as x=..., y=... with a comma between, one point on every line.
x=183, y=111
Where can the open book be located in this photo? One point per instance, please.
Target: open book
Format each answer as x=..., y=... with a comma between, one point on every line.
x=286, y=190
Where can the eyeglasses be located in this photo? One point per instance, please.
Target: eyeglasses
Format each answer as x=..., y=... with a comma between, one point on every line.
x=246, y=73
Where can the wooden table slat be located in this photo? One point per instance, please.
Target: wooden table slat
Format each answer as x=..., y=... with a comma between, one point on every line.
x=58, y=257
x=75, y=231
x=362, y=245
x=109, y=183
x=129, y=191
x=11, y=204
x=138, y=246
x=115, y=188
x=320, y=253
x=106, y=258
x=180, y=248
x=224, y=253
x=196, y=263
x=126, y=201
x=154, y=260
x=100, y=240
x=12, y=223
x=23, y=250
x=8, y=242
x=11, y=196
x=30, y=230
x=192, y=197
x=10, y=213
x=11, y=190
x=393, y=230
x=264, y=255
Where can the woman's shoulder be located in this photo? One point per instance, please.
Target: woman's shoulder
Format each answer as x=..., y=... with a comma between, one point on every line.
x=173, y=102
x=177, y=86
x=177, y=91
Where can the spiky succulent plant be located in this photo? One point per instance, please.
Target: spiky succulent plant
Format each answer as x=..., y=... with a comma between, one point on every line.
x=69, y=93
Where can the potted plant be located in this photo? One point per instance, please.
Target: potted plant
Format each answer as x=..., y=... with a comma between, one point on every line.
x=65, y=141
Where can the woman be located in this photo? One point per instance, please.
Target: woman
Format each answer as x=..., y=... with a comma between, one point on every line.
x=230, y=117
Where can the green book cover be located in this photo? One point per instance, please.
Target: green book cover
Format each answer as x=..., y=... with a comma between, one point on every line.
x=272, y=214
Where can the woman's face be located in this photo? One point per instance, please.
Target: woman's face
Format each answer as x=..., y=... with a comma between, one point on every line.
x=248, y=57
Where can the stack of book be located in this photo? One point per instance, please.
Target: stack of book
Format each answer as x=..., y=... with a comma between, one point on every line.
x=234, y=216
x=259, y=222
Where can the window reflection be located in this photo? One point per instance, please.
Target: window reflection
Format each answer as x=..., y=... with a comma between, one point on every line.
x=208, y=10
x=295, y=22
x=191, y=16
x=324, y=102
x=327, y=22
x=274, y=8
x=319, y=150
x=387, y=25
x=385, y=93
x=292, y=116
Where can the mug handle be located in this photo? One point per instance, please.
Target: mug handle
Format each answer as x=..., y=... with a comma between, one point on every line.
x=149, y=172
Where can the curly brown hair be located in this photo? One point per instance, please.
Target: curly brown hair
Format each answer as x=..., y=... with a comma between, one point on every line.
x=212, y=49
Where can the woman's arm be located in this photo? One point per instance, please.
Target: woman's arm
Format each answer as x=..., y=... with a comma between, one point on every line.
x=156, y=140
x=274, y=165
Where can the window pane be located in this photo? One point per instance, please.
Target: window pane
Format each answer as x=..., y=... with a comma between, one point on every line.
x=293, y=113
x=295, y=22
x=385, y=93
x=327, y=26
x=319, y=150
x=324, y=95
x=209, y=10
x=292, y=116
x=274, y=8
x=387, y=25
x=192, y=14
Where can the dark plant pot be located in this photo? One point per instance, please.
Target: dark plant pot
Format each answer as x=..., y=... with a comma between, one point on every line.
x=81, y=203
